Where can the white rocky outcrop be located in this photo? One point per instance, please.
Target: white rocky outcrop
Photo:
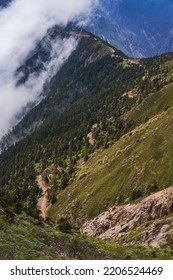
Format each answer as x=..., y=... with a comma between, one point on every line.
x=120, y=220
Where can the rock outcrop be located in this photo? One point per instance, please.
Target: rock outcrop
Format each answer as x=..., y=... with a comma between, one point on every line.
x=120, y=220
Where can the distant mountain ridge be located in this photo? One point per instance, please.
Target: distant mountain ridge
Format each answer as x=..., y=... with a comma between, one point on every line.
x=138, y=28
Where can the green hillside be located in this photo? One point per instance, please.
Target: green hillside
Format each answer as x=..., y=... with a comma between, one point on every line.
x=24, y=240
x=96, y=85
x=101, y=136
x=138, y=164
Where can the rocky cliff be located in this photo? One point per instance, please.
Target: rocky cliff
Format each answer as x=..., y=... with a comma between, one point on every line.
x=151, y=216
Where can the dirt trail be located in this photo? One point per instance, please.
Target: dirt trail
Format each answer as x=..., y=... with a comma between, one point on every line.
x=43, y=203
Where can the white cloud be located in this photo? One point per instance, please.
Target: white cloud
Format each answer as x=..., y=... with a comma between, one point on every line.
x=22, y=25
x=13, y=99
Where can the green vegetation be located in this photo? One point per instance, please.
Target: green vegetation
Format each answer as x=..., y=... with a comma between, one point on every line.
x=62, y=139
x=137, y=165
x=25, y=240
x=131, y=156
x=155, y=103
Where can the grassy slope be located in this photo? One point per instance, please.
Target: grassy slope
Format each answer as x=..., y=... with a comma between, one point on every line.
x=24, y=241
x=110, y=176
x=136, y=161
x=155, y=103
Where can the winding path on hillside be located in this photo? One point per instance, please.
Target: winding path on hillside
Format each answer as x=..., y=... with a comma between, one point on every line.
x=43, y=203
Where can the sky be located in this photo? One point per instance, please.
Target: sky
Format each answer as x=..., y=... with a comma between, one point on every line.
x=22, y=25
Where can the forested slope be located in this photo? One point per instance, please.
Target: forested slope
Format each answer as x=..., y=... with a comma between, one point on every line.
x=102, y=136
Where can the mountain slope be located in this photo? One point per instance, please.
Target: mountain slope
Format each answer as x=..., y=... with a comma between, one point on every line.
x=95, y=96
x=63, y=92
x=24, y=240
x=133, y=26
x=94, y=144
x=138, y=163
x=61, y=138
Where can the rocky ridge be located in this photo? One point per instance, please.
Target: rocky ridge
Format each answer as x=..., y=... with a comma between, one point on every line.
x=152, y=214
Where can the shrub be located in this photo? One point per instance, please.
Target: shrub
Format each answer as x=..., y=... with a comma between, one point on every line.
x=135, y=195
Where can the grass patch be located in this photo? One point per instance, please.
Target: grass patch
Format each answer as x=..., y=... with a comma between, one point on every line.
x=141, y=161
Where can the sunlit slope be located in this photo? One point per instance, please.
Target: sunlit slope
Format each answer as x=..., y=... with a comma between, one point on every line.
x=140, y=163
x=155, y=103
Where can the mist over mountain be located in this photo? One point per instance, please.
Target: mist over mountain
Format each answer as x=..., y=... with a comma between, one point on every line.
x=19, y=38
x=139, y=28
x=86, y=131
x=101, y=140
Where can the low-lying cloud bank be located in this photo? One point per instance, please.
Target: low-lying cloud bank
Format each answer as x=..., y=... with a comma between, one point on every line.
x=22, y=25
